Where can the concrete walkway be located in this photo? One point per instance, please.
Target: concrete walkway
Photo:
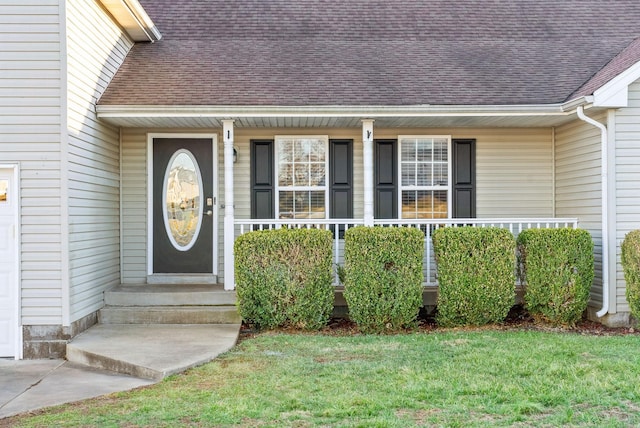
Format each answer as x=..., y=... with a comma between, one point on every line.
x=151, y=351
x=34, y=384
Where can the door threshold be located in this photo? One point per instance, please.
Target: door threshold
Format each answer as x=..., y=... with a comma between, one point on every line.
x=182, y=278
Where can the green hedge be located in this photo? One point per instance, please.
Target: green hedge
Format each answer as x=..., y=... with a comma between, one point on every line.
x=383, y=277
x=284, y=276
x=557, y=271
x=631, y=267
x=476, y=275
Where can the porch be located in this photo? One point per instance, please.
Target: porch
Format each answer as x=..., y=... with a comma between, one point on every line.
x=510, y=177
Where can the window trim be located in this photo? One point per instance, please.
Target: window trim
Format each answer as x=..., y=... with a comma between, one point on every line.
x=448, y=188
x=325, y=188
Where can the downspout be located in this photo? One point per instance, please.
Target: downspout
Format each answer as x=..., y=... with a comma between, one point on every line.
x=553, y=171
x=605, y=209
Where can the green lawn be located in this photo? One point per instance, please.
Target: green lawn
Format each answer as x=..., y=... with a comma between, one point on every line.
x=443, y=378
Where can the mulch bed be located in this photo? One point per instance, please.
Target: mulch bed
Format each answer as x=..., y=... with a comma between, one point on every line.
x=518, y=319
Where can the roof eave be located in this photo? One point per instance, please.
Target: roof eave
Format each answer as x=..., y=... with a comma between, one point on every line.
x=133, y=19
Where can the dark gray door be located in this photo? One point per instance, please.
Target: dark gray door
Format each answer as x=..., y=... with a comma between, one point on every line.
x=386, y=179
x=464, y=178
x=182, y=205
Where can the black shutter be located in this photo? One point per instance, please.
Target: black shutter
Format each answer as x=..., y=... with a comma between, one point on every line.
x=262, y=179
x=341, y=178
x=385, y=179
x=464, y=178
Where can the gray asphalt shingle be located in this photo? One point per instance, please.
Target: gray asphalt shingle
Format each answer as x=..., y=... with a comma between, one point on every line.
x=372, y=52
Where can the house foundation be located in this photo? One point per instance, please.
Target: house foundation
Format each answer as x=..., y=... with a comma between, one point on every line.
x=50, y=341
x=617, y=320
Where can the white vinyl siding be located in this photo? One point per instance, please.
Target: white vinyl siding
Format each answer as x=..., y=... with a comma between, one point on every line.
x=578, y=188
x=627, y=194
x=96, y=47
x=30, y=132
x=134, y=206
x=514, y=176
x=239, y=174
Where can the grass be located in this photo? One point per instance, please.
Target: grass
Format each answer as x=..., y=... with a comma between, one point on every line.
x=447, y=378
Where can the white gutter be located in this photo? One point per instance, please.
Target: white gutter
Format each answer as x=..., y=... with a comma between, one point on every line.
x=230, y=112
x=379, y=111
x=605, y=209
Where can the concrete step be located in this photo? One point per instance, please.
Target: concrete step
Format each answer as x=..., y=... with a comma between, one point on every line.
x=151, y=351
x=169, y=295
x=183, y=278
x=199, y=314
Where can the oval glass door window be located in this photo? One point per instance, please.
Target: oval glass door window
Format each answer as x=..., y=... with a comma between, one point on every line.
x=182, y=199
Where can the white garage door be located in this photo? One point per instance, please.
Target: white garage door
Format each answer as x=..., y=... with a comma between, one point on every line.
x=8, y=257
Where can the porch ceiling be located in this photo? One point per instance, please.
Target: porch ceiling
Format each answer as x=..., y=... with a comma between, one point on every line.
x=337, y=117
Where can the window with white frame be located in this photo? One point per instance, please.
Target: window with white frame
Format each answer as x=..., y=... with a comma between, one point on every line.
x=425, y=173
x=301, y=171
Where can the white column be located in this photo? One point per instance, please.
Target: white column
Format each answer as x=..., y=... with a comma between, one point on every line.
x=367, y=160
x=229, y=228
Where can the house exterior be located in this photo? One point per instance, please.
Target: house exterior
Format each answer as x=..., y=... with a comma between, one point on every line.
x=138, y=138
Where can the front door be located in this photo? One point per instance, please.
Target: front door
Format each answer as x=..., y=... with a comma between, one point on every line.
x=8, y=268
x=183, y=204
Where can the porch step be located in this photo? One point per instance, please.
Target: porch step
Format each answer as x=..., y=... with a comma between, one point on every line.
x=154, y=330
x=169, y=304
x=169, y=315
x=169, y=295
x=183, y=278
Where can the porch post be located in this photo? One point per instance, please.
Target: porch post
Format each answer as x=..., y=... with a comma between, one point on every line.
x=229, y=228
x=367, y=160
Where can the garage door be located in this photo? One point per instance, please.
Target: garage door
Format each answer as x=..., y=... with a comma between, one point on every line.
x=8, y=257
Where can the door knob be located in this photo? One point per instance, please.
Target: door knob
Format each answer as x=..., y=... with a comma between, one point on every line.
x=209, y=213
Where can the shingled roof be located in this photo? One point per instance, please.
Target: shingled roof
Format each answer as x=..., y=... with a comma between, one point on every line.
x=376, y=52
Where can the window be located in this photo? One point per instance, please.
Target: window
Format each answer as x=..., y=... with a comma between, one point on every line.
x=4, y=186
x=424, y=177
x=301, y=171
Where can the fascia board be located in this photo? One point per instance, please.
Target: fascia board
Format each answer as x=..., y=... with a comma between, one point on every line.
x=230, y=112
x=615, y=93
x=134, y=19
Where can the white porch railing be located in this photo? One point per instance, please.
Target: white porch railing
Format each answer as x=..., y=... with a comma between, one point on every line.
x=339, y=226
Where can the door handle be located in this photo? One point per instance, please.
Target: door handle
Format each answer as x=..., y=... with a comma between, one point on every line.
x=208, y=212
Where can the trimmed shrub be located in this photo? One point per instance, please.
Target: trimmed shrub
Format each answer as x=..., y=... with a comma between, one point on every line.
x=283, y=278
x=631, y=267
x=383, y=277
x=556, y=268
x=476, y=275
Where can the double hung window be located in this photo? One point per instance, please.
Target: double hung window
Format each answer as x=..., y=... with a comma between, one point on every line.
x=301, y=171
x=425, y=172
